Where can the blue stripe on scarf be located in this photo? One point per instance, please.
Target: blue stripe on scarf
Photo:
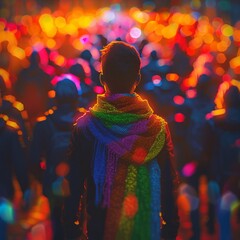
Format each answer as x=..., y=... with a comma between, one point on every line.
x=155, y=173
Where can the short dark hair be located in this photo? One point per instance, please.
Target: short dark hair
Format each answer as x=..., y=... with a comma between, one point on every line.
x=120, y=66
x=66, y=92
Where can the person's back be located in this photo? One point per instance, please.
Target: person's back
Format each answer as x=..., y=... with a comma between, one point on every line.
x=124, y=153
x=50, y=141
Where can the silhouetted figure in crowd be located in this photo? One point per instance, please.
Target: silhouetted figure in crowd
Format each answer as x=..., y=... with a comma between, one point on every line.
x=32, y=88
x=181, y=62
x=15, y=111
x=224, y=135
x=13, y=164
x=120, y=148
x=87, y=95
x=201, y=105
x=51, y=137
x=87, y=56
x=222, y=145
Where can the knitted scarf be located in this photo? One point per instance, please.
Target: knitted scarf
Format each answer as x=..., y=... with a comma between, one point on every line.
x=125, y=170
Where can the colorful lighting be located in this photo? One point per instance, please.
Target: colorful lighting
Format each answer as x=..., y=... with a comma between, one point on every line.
x=135, y=32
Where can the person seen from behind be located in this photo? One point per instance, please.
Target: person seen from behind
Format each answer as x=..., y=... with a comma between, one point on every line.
x=50, y=141
x=122, y=152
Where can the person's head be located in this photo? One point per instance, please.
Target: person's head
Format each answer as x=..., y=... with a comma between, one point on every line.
x=66, y=92
x=232, y=98
x=120, y=63
x=78, y=71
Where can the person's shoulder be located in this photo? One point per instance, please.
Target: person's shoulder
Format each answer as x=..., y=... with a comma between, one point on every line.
x=160, y=119
x=83, y=120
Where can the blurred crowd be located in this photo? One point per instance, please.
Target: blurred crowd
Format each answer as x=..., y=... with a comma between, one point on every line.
x=190, y=75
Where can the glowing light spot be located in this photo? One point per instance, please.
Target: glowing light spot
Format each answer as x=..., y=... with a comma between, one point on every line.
x=5, y=75
x=236, y=35
x=51, y=94
x=191, y=93
x=218, y=112
x=135, y=32
x=84, y=39
x=12, y=124
x=62, y=169
x=235, y=62
x=108, y=16
x=43, y=165
x=51, y=43
x=88, y=81
x=189, y=169
x=179, y=117
x=40, y=119
x=98, y=89
x=219, y=71
x=6, y=211
x=47, y=24
x=170, y=31
x=60, y=60
x=227, y=30
x=156, y=79
x=222, y=46
x=208, y=38
x=141, y=17
x=50, y=111
x=221, y=58
x=60, y=22
x=179, y=100
x=130, y=205
x=227, y=77
x=172, y=77
x=18, y=105
x=18, y=52
x=139, y=155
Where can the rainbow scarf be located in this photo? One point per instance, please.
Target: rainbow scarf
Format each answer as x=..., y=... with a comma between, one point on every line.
x=125, y=170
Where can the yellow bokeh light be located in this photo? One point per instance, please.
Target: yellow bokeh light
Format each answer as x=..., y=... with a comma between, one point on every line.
x=18, y=105
x=18, y=52
x=60, y=22
x=170, y=31
x=222, y=46
x=235, y=62
x=60, y=60
x=208, y=38
x=46, y=22
x=151, y=27
x=227, y=30
x=51, y=43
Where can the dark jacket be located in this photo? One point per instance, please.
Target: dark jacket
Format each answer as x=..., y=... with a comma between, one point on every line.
x=12, y=160
x=223, y=145
x=80, y=162
x=60, y=119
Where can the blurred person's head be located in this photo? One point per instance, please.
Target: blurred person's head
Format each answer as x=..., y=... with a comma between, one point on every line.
x=66, y=92
x=120, y=64
x=154, y=55
x=34, y=58
x=78, y=71
x=86, y=55
x=232, y=97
